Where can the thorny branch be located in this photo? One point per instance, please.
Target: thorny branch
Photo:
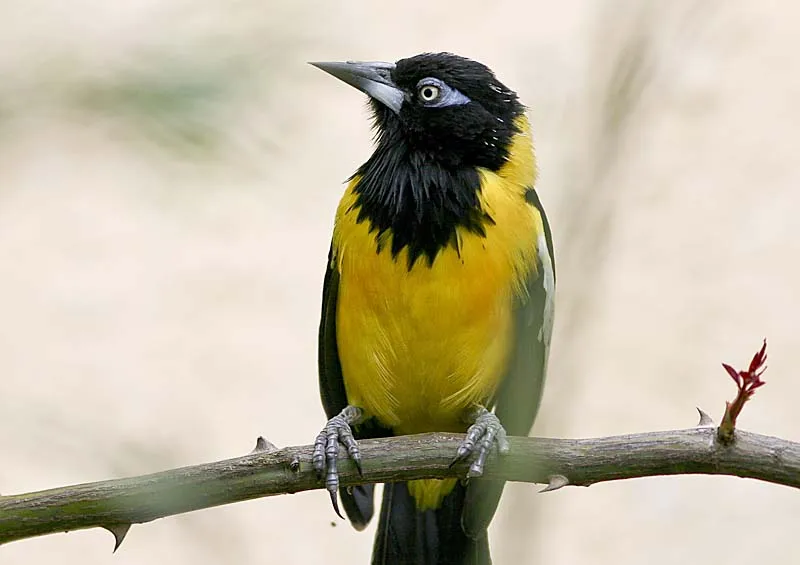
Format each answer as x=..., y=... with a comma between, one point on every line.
x=267, y=471
x=116, y=504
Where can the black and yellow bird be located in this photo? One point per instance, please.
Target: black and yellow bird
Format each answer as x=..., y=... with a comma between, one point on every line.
x=438, y=297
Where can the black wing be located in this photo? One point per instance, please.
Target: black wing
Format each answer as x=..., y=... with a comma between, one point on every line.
x=331, y=383
x=358, y=504
x=520, y=393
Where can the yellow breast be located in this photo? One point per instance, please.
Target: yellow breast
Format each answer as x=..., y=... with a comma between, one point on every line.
x=419, y=347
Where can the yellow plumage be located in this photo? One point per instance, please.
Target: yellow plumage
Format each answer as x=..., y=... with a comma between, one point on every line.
x=420, y=347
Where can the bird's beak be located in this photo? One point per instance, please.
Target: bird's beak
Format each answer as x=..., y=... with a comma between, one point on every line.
x=373, y=79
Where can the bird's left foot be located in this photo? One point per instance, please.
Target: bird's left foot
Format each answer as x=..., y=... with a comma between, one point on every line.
x=485, y=432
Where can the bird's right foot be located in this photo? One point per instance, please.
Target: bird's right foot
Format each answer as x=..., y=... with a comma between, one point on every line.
x=485, y=433
x=326, y=449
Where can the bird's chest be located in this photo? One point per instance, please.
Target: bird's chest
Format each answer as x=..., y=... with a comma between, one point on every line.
x=419, y=347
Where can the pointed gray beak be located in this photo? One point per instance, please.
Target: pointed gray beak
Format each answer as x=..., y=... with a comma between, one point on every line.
x=373, y=79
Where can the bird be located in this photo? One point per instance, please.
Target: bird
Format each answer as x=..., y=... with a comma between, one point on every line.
x=438, y=298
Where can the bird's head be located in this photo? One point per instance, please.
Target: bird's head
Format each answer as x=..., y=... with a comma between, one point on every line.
x=447, y=108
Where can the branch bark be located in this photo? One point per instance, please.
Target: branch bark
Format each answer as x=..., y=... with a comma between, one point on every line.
x=116, y=504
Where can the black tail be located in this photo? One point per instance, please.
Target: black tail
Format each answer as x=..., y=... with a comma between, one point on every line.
x=433, y=537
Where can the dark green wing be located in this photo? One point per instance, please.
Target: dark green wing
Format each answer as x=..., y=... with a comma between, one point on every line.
x=520, y=393
x=358, y=503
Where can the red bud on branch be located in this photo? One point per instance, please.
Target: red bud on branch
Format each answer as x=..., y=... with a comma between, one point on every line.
x=747, y=382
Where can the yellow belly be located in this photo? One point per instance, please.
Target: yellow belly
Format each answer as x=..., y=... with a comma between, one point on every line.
x=418, y=348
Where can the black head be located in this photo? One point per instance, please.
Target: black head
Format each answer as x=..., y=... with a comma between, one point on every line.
x=440, y=118
x=448, y=108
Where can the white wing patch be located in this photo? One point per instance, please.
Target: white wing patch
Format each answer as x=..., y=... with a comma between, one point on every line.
x=549, y=284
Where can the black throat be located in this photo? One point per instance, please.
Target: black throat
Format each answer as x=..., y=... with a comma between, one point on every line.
x=417, y=199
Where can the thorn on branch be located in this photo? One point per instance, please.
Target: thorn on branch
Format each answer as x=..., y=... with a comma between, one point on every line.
x=747, y=382
x=705, y=419
x=119, y=531
x=264, y=445
x=556, y=482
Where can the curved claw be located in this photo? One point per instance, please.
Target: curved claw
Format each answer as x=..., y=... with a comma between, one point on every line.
x=335, y=503
x=485, y=432
x=326, y=450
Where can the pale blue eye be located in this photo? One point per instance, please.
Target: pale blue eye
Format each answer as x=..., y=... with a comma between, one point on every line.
x=434, y=93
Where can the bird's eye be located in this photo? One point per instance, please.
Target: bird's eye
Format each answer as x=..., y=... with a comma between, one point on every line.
x=434, y=93
x=429, y=93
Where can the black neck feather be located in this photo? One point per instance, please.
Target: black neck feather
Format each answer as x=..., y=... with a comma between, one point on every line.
x=418, y=200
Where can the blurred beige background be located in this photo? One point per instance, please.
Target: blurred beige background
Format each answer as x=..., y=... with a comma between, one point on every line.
x=168, y=177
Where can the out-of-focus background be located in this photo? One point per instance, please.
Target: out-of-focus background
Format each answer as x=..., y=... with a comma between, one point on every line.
x=168, y=177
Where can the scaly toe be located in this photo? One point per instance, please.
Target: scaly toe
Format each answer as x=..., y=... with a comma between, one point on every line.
x=482, y=436
x=325, y=455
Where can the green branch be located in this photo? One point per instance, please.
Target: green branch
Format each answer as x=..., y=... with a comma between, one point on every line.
x=116, y=504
